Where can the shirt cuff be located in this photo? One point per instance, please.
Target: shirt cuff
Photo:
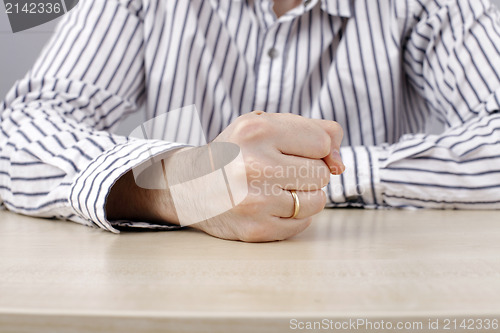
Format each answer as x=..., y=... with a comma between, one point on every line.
x=359, y=185
x=91, y=188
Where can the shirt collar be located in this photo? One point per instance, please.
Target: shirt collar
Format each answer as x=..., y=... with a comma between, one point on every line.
x=343, y=8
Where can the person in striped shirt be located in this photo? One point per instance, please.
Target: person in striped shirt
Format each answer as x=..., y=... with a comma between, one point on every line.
x=412, y=86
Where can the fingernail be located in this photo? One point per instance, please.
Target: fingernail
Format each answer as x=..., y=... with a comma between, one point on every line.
x=337, y=158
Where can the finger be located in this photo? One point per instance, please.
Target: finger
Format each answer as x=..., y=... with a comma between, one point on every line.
x=287, y=228
x=299, y=136
x=334, y=162
x=275, y=229
x=333, y=129
x=269, y=230
x=310, y=203
x=335, y=132
x=260, y=226
x=295, y=173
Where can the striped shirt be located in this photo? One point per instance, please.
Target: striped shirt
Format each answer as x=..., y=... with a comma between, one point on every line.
x=388, y=71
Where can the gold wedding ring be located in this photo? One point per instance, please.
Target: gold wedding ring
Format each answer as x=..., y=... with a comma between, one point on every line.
x=296, y=204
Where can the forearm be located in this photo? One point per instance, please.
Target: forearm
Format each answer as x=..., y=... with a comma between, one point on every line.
x=128, y=201
x=53, y=137
x=458, y=169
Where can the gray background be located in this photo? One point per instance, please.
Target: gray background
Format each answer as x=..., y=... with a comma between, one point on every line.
x=19, y=51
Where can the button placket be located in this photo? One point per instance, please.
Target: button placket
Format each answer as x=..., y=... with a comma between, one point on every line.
x=272, y=52
x=270, y=69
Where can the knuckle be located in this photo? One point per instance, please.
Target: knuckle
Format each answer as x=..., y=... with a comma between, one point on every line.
x=339, y=131
x=253, y=166
x=257, y=112
x=250, y=129
x=324, y=144
x=334, y=131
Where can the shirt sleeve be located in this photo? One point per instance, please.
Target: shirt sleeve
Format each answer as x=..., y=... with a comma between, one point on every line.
x=58, y=158
x=451, y=60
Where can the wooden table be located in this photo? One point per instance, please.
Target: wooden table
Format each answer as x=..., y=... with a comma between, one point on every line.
x=350, y=265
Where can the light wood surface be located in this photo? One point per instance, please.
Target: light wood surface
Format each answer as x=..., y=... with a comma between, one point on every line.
x=58, y=276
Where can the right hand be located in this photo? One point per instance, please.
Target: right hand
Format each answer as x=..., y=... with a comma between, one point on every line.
x=276, y=148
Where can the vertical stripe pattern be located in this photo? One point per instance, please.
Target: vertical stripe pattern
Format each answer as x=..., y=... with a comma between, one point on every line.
x=388, y=71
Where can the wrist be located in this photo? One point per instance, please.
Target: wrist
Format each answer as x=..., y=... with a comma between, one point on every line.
x=128, y=201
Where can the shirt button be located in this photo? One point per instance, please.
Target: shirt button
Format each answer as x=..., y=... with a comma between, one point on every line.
x=272, y=53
